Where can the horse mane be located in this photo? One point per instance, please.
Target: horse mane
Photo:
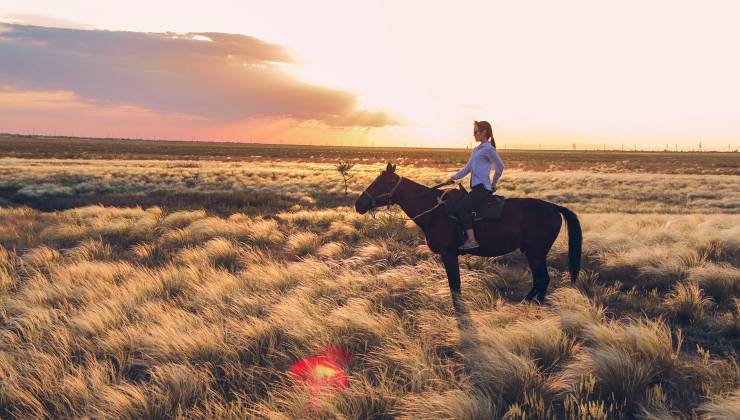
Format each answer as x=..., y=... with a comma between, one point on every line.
x=453, y=193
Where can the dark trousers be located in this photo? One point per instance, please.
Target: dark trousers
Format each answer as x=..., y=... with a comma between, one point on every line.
x=470, y=202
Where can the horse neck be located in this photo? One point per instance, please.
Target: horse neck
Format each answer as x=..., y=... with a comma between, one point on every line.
x=412, y=199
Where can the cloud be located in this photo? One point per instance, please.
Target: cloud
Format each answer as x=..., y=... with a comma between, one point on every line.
x=43, y=20
x=218, y=76
x=64, y=112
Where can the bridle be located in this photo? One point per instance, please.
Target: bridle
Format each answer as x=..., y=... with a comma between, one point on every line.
x=388, y=194
x=374, y=205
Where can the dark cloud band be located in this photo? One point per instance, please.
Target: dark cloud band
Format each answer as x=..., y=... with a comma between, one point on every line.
x=222, y=77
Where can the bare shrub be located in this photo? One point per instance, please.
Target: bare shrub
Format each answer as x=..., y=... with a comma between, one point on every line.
x=344, y=169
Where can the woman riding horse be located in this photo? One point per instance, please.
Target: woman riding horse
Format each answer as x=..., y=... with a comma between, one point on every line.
x=527, y=224
x=481, y=158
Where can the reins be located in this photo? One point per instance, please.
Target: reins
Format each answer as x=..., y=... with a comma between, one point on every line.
x=374, y=206
x=440, y=202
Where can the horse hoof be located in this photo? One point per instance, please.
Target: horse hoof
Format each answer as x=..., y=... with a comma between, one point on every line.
x=534, y=299
x=530, y=295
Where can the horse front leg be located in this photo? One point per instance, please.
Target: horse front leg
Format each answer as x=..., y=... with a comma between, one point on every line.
x=453, y=273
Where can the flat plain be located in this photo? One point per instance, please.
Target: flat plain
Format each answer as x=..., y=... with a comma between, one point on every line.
x=182, y=280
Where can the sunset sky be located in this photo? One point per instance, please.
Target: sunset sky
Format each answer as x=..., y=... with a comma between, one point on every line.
x=414, y=73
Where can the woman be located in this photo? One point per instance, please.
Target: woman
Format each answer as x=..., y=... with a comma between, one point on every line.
x=481, y=158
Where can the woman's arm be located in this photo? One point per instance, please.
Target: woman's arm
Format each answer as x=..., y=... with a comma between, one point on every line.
x=462, y=172
x=496, y=160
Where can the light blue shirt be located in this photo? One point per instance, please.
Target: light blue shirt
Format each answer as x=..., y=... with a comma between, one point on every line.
x=481, y=158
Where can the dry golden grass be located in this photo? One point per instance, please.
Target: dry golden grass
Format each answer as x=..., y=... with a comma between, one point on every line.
x=95, y=327
x=142, y=312
x=722, y=408
x=286, y=184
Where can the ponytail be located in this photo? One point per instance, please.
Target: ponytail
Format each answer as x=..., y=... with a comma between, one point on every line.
x=486, y=126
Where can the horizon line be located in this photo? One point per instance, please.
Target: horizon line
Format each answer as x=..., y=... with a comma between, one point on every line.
x=533, y=147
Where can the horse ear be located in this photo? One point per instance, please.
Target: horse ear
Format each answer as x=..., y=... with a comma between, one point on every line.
x=394, y=168
x=390, y=168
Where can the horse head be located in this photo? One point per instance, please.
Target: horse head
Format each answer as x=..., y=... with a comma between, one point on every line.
x=380, y=191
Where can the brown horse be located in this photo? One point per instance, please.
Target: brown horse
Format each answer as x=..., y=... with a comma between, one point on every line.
x=527, y=224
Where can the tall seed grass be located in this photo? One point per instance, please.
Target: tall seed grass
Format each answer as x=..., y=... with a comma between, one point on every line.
x=140, y=312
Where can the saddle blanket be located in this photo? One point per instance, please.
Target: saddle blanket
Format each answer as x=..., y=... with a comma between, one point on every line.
x=491, y=208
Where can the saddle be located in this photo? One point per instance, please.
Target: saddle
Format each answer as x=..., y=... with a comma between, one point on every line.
x=490, y=209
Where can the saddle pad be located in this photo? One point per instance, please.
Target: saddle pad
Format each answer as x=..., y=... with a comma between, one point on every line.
x=491, y=209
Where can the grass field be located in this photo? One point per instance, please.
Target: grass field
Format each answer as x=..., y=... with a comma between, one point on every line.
x=269, y=185
x=196, y=292
x=41, y=147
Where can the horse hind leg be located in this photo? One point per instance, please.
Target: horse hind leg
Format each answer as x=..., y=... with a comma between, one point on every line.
x=540, y=279
x=543, y=283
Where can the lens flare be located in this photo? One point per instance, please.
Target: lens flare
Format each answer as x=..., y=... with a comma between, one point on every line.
x=324, y=373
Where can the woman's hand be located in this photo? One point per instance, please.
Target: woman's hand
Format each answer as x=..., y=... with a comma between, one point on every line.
x=450, y=181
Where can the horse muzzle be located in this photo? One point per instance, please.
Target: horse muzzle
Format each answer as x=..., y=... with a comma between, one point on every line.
x=362, y=205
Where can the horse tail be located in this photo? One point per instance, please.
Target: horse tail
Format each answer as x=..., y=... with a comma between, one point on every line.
x=575, y=241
